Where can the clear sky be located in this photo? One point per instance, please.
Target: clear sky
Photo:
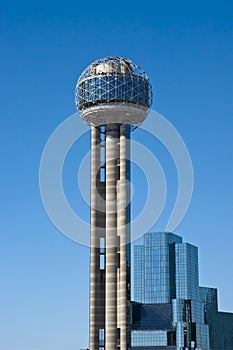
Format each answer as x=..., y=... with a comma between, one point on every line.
x=186, y=49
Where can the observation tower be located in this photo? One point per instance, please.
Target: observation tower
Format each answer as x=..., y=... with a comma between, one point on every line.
x=113, y=95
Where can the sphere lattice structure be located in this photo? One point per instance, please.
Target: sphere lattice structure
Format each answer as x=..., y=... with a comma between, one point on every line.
x=113, y=90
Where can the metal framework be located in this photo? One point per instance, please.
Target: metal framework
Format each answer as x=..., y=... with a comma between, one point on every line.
x=113, y=79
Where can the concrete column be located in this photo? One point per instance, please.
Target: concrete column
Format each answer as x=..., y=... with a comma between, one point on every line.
x=112, y=154
x=94, y=256
x=122, y=232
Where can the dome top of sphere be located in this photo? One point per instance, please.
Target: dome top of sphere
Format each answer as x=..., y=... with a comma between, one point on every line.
x=113, y=65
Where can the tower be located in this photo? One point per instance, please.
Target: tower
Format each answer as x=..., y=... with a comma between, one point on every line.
x=113, y=95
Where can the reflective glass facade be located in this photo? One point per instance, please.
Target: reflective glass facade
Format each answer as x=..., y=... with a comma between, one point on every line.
x=166, y=273
x=148, y=338
x=153, y=278
x=118, y=88
x=171, y=310
x=139, y=274
x=186, y=267
x=152, y=316
x=220, y=323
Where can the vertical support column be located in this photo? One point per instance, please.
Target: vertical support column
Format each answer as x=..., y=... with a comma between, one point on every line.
x=122, y=231
x=122, y=234
x=112, y=139
x=95, y=159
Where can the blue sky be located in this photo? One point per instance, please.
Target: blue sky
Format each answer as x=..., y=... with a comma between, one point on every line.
x=186, y=49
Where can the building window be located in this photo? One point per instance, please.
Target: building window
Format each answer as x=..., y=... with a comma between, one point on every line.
x=118, y=168
x=102, y=174
x=118, y=260
x=102, y=245
x=102, y=154
x=118, y=337
x=101, y=339
x=102, y=262
x=102, y=253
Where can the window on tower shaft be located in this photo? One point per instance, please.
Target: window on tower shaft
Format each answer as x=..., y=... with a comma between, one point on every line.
x=102, y=253
x=102, y=171
x=102, y=174
x=101, y=339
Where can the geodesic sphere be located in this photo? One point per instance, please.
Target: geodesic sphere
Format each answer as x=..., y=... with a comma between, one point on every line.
x=113, y=80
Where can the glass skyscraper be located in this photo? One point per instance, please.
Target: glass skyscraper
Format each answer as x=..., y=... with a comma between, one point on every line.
x=152, y=270
x=170, y=310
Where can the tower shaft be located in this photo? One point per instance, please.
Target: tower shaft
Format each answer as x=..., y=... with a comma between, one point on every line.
x=124, y=234
x=112, y=156
x=110, y=265
x=97, y=275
